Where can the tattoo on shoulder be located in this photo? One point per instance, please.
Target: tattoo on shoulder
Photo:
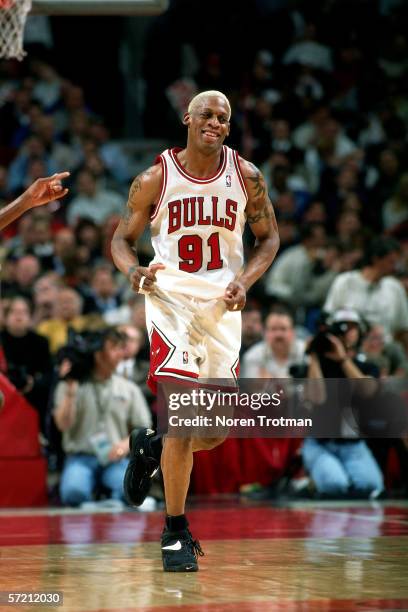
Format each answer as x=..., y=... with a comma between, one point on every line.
x=134, y=188
x=127, y=215
x=137, y=183
x=257, y=181
x=266, y=212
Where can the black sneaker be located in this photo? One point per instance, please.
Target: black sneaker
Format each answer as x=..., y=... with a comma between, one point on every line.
x=141, y=468
x=180, y=551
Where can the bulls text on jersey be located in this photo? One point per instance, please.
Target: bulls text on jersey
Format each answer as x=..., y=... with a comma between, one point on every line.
x=188, y=212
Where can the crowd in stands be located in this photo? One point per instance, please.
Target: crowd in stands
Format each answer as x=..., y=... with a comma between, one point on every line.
x=326, y=124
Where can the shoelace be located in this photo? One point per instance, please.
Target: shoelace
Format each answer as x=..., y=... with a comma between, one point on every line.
x=197, y=550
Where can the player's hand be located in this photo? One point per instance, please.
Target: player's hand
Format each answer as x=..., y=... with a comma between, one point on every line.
x=45, y=190
x=143, y=279
x=235, y=296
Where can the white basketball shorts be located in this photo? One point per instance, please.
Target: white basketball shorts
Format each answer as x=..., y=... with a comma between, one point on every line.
x=191, y=338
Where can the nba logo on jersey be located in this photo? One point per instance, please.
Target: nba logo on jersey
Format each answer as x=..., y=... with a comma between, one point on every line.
x=185, y=357
x=228, y=180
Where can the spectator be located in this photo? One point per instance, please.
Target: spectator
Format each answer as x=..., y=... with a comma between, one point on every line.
x=340, y=467
x=395, y=210
x=133, y=366
x=330, y=150
x=42, y=245
x=103, y=295
x=32, y=151
x=387, y=180
x=47, y=89
x=348, y=227
x=280, y=179
x=372, y=291
x=273, y=356
x=306, y=134
x=26, y=271
x=252, y=327
x=61, y=154
x=328, y=264
x=388, y=356
x=288, y=232
x=45, y=295
x=111, y=153
x=95, y=417
x=95, y=164
x=93, y=202
x=289, y=275
x=309, y=52
x=66, y=253
x=66, y=314
x=21, y=243
x=88, y=236
x=28, y=359
x=14, y=118
x=315, y=213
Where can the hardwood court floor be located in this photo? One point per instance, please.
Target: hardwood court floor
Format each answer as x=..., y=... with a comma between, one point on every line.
x=331, y=557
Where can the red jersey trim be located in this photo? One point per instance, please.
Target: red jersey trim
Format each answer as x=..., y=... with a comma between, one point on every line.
x=239, y=173
x=163, y=187
x=183, y=373
x=195, y=179
x=235, y=369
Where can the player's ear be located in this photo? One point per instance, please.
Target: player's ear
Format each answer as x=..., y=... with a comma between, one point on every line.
x=228, y=128
x=186, y=119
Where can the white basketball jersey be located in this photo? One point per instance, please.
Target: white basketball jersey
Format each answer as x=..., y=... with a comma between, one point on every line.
x=197, y=227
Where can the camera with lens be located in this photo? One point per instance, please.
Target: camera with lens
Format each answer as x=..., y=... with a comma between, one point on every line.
x=335, y=325
x=79, y=351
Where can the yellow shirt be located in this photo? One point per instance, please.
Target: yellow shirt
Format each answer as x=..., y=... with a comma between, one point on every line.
x=56, y=330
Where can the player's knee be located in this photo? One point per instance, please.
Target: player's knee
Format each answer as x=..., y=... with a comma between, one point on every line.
x=206, y=443
x=182, y=445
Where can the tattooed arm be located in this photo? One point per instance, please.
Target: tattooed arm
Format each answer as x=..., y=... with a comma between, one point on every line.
x=261, y=218
x=143, y=194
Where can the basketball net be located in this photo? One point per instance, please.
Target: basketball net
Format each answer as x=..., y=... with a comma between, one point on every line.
x=13, y=15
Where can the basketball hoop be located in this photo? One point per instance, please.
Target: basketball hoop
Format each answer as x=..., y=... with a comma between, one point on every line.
x=13, y=15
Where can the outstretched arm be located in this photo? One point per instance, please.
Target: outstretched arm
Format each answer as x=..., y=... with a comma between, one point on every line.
x=41, y=192
x=261, y=219
x=143, y=194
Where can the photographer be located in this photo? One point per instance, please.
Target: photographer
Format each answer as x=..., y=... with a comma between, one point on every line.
x=96, y=409
x=344, y=466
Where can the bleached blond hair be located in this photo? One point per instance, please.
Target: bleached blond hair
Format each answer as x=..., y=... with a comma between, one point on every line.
x=211, y=93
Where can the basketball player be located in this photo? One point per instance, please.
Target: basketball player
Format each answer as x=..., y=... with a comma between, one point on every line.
x=42, y=191
x=197, y=201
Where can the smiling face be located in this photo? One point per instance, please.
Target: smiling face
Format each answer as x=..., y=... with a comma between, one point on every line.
x=208, y=124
